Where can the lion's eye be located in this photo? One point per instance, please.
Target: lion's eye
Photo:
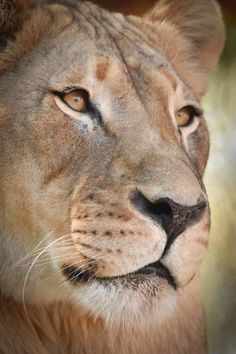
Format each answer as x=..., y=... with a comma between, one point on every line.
x=185, y=116
x=77, y=99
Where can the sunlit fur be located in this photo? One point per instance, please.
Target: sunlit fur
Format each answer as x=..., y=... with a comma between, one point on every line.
x=67, y=178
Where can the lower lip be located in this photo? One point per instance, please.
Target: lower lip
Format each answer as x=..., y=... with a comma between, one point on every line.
x=157, y=269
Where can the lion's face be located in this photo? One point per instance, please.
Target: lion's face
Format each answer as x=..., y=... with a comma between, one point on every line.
x=103, y=148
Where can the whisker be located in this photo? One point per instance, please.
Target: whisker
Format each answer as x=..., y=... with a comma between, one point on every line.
x=27, y=276
x=36, y=250
x=21, y=264
x=45, y=237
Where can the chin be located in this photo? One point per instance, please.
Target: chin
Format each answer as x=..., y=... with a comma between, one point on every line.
x=141, y=298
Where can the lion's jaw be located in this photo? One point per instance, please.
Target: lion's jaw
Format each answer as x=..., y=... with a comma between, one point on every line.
x=75, y=182
x=117, y=264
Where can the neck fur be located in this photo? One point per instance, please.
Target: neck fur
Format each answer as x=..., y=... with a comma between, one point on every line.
x=66, y=328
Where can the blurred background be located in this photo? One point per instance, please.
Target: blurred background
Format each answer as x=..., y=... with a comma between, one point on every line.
x=219, y=269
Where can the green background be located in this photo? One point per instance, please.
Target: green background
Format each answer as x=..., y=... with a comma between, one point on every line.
x=219, y=270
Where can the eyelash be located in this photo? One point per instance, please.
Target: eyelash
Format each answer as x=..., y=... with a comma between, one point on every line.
x=90, y=109
x=61, y=94
x=193, y=112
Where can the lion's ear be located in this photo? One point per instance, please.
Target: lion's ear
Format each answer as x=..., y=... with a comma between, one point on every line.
x=199, y=21
x=12, y=14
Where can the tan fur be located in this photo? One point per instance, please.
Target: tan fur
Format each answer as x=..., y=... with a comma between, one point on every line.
x=67, y=178
x=102, y=65
x=65, y=328
x=197, y=21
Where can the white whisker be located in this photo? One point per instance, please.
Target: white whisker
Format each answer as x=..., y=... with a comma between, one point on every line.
x=28, y=272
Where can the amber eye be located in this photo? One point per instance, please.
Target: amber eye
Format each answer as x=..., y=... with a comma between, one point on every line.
x=77, y=99
x=185, y=116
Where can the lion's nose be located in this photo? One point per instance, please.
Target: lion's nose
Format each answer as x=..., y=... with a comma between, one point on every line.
x=173, y=217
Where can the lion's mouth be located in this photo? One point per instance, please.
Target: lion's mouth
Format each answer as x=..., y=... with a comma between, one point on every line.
x=148, y=272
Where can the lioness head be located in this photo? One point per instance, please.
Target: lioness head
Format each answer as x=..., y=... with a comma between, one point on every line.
x=103, y=146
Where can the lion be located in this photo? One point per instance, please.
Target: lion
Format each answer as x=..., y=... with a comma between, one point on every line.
x=104, y=217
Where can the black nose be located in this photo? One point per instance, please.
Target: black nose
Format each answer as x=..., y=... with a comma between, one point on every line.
x=173, y=217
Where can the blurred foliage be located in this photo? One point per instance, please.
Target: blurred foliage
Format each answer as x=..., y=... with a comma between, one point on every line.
x=219, y=271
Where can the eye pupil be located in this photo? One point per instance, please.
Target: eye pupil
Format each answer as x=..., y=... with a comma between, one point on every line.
x=185, y=116
x=77, y=99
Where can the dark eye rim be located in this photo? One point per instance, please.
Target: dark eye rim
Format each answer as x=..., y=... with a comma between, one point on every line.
x=90, y=109
x=193, y=112
x=67, y=90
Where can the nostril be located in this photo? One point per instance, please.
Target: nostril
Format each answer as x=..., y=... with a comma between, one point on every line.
x=163, y=213
x=173, y=217
x=160, y=211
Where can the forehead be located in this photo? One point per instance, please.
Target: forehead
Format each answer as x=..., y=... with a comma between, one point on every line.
x=89, y=38
x=111, y=33
x=97, y=42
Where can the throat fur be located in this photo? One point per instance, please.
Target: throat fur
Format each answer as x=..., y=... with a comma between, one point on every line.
x=65, y=328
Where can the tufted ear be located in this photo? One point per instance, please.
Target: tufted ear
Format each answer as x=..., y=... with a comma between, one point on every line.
x=12, y=13
x=199, y=21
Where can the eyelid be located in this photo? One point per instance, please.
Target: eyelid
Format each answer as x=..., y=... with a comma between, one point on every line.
x=90, y=114
x=196, y=115
x=82, y=92
x=70, y=89
x=198, y=111
x=77, y=116
x=195, y=110
x=67, y=89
